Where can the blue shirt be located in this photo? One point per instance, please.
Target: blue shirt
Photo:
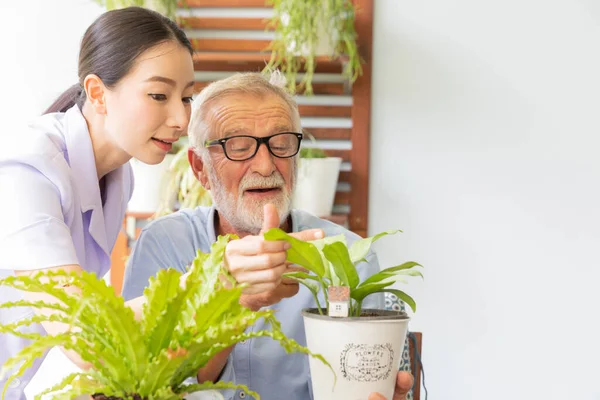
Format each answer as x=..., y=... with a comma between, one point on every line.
x=259, y=363
x=52, y=212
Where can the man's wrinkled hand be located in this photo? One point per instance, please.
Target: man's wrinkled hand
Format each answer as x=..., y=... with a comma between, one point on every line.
x=261, y=263
x=404, y=382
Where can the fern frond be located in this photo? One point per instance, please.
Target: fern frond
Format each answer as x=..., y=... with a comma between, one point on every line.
x=79, y=383
x=161, y=289
x=119, y=323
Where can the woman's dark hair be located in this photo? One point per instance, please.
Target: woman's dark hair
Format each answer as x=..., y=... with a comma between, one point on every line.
x=111, y=45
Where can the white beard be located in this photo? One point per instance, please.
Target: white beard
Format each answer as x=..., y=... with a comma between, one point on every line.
x=242, y=213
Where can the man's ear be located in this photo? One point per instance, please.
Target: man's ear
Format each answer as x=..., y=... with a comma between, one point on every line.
x=198, y=167
x=95, y=92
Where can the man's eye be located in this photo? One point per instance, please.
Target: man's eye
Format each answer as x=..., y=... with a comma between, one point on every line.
x=158, y=97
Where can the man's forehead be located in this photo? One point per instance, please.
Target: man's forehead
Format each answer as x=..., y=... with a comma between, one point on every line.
x=248, y=115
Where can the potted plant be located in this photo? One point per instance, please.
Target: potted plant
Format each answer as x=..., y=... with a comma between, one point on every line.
x=181, y=327
x=365, y=347
x=307, y=29
x=316, y=182
x=180, y=188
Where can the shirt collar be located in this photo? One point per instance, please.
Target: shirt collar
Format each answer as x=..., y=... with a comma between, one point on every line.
x=83, y=164
x=81, y=159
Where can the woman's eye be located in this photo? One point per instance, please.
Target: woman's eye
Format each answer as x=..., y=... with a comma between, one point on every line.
x=187, y=100
x=158, y=97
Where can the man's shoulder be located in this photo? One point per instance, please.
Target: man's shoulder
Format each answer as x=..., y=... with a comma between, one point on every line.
x=194, y=221
x=304, y=220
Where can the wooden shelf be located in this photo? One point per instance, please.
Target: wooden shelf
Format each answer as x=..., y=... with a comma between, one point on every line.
x=329, y=88
x=229, y=61
x=232, y=45
x=230, y=23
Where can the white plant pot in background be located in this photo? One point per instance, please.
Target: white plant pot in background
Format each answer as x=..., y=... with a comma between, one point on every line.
x=326, y=41
x=364, y=352
x=316, y=185
x=148, y=188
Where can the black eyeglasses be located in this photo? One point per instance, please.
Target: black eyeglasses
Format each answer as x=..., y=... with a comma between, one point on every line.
x=242, y=148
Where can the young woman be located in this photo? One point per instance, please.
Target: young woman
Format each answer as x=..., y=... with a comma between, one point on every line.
x=66, y=181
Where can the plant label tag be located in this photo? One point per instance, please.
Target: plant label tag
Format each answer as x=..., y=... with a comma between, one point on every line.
x=339, y=301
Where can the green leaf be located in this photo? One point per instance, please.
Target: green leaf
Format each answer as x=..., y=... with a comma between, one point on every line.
x=320, y=244
x=301, y=253
x=404, y=297
x=393, y=271
x=363, y=291
x=79, y=383
x=337, y=254
x=161, y=289
x=28, y=355
x=361, y=247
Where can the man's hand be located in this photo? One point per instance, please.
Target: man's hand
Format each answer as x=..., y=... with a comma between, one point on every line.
x=261, y=263
x=404, y=382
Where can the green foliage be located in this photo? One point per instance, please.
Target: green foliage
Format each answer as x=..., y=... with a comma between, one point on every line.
x=181, y=328
x=182, y=187
x=312, y=152
x=332, y=263
x=298, y=27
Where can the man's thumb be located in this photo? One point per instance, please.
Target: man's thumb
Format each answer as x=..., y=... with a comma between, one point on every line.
x=271, y=218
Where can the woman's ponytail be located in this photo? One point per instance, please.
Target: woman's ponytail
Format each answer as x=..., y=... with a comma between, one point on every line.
x=70, y=97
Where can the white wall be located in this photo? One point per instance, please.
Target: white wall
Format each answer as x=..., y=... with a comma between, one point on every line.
x=40, y=45
x=485, y=135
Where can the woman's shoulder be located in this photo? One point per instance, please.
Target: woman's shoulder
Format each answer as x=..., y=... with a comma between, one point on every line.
x=44, y=137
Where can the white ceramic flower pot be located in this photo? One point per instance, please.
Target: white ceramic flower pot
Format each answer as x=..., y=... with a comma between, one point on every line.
x=148, y=187
x=316, y=185
x=326, y=41
x=365, y=353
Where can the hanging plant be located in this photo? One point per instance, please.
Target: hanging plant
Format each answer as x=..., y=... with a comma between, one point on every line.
x=307, y=29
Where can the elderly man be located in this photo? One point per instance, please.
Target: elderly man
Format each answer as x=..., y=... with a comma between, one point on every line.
x=245, y=135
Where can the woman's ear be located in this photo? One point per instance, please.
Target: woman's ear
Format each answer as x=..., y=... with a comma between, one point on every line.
x=95, y=92
x=198, y=167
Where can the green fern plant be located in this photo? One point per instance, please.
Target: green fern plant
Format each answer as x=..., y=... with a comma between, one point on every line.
x=331, y=262
x=180, y=330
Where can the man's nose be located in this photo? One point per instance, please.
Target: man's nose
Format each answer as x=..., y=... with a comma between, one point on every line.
x=263, y=162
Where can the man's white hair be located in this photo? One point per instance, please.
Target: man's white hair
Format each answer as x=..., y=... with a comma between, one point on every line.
x=241, y=83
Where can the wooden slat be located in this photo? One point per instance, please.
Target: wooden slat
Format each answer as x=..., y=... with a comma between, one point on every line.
x=361, y=119
x=345, y=176
x=211, y=44
x=331, y=88
x=319, y=88
x=117, y=262
x=249, y=24
x=222, y=3
x=344, y=154
x=330, y=133
x=415, y=366
x=325, y=111
x=342, y=198
x=234, y=62
x=340, y=219
x=363, y=233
